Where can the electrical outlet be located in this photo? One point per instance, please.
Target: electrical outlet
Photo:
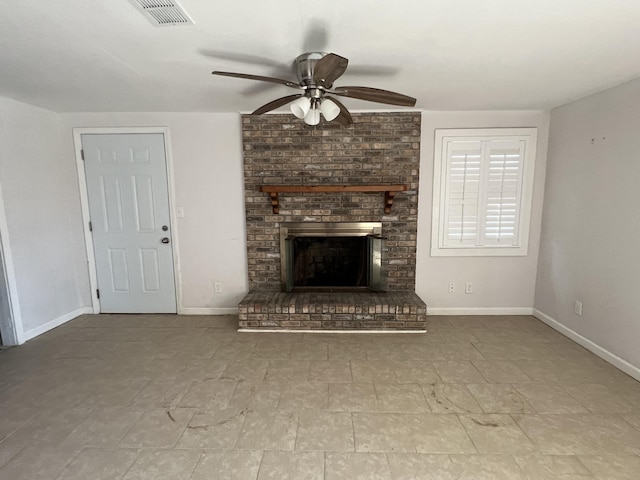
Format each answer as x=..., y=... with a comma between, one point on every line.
x=217, y=287
x=468, y=287
x=452, y=287
x=577, y=308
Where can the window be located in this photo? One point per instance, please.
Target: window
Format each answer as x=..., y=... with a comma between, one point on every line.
x=482, y=191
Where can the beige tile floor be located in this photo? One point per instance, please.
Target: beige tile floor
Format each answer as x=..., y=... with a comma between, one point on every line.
x=168, y=397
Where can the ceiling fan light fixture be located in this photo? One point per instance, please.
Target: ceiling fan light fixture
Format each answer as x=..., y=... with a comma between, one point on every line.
x=312, y=117
x=301, y=107
x=329, y=109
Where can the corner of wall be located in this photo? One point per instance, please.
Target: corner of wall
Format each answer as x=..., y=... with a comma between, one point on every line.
x=612, y=358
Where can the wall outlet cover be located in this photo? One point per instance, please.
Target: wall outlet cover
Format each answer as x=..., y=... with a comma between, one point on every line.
x=577, y=308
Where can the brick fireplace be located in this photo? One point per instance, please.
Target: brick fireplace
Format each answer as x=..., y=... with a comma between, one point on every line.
x=379, y=149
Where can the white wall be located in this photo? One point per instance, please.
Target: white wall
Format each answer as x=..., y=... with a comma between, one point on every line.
x=206, y=150
x=207, y=159
x=591, y=224
x=43, y=236
x=501, y=285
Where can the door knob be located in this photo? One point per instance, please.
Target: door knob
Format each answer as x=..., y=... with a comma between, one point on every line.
x=165, y=240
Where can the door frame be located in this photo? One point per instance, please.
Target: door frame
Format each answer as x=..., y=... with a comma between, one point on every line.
x=13, y=330
x=84, y=201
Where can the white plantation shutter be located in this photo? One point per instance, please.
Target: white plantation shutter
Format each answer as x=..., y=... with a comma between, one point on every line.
x=480, y=199
x=503, y=189
x=463, y=193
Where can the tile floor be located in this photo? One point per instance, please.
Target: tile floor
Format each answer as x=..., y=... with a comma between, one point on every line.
x=168, y=397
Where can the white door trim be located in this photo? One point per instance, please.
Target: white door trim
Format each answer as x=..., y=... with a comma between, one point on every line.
x=14, y=334
x=84, y=201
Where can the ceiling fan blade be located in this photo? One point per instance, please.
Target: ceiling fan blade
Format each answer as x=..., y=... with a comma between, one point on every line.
x=258, y=77
x=328, y=69
x=344, y=118
x=376, y=95
x=369, y=70
x=275, y=104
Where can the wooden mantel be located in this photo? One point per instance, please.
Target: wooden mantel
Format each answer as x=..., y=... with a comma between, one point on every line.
x=389, y=191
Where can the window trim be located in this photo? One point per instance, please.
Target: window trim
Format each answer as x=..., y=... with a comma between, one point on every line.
x=442, y=138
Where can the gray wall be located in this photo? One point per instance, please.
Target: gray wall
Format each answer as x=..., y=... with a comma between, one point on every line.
x=501, y=285
x=43, y=221
x=591, y=223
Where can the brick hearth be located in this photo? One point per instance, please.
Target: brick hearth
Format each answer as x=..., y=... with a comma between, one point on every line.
x=327, y=311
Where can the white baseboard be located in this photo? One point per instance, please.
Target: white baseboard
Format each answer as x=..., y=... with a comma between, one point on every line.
x=56, y=322
x=480, y=311
x=593, y=347
x=208, y=311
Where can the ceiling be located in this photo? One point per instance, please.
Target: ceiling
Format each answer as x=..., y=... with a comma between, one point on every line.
x=104, y=55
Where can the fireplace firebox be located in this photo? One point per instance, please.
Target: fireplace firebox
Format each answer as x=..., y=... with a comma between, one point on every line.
x=328, y=257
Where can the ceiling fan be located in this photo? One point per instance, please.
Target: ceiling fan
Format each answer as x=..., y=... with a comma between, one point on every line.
x=316, y=73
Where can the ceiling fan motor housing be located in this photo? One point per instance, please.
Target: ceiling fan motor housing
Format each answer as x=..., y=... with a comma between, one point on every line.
x=304, y=65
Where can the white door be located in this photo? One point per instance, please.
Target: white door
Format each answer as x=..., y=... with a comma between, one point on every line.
x=128, y=194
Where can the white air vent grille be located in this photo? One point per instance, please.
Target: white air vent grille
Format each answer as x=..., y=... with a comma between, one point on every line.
x=164, y=12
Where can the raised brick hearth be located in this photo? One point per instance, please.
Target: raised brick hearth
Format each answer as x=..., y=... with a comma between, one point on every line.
x=378, y=149
x=328, y=311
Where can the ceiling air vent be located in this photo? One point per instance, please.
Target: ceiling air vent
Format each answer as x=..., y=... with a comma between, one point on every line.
x=164, y=13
